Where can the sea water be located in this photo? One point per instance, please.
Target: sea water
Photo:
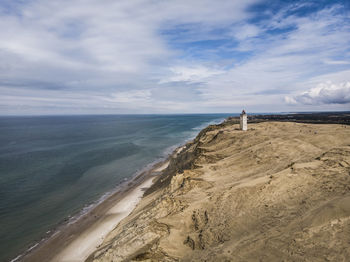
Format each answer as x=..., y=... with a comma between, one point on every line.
x=52, y=167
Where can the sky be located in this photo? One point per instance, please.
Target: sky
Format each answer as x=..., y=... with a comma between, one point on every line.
x=176, y=56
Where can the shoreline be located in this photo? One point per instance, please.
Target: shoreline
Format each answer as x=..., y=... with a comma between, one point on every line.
x=110, y=212
x=66, y=231
x=103, y=213
x=229, y=193
x=86, y=243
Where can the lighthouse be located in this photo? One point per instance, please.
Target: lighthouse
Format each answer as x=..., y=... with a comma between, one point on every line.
x=243, y=121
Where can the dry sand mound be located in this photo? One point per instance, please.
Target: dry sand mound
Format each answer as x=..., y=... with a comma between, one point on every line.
x=278, y=192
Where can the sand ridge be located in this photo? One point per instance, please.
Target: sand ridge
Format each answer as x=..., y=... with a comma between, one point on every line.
x=278, y=192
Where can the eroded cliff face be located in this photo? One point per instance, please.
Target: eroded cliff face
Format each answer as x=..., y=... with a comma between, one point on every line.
x=278, y=192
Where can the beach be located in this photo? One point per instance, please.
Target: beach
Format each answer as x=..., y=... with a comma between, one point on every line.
x=90, y=239
x=66, y=166
x=174, y=131
x=277, y=192
x=76, y=241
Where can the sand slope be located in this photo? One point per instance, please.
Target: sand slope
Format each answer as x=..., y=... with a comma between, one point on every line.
x=87, y=242
x=278, y=192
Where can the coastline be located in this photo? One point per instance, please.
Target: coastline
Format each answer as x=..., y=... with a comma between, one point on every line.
x=89, y=233
x=101, y=219
x=89, y=240
x=59, y=237
x=278, y=191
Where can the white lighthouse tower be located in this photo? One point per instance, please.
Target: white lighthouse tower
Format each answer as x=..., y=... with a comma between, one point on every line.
x=243, y=121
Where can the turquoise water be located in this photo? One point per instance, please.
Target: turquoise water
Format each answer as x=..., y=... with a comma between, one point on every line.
x=51, y=167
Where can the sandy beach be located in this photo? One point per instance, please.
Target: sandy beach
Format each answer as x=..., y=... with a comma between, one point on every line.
x=175, y=131
x=90, y=239
x=75, y=242
x=277, y=192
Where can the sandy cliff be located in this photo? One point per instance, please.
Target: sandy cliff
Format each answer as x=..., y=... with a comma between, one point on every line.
x=278, y=192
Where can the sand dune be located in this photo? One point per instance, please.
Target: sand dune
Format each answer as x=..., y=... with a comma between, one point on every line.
x=278, y=192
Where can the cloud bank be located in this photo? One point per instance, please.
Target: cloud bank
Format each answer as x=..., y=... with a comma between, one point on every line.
x=324, y=93
x=80, y=57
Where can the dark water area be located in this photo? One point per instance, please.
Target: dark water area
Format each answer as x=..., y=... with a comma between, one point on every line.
x=51, y=167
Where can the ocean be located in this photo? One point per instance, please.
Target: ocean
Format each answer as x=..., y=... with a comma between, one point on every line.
x=52, y=168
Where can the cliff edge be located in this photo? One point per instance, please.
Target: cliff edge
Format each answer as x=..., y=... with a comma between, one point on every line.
x=278, y=192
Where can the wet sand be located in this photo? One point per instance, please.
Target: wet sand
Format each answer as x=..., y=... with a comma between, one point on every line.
x=76, y=241
x=90, y=239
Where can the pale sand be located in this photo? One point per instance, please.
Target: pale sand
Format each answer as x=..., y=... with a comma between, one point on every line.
x=75, y=241
x=278, y=192
x=90, y=240
x=179, y=150
x=162, y=167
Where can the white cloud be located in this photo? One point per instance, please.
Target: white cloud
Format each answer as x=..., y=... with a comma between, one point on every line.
x=190, y=74
x=286, y=63
x=323, y=93
x=290, y=100
x=117, y=55
x=137, y=96
x=336, y=62
x=242, y=32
